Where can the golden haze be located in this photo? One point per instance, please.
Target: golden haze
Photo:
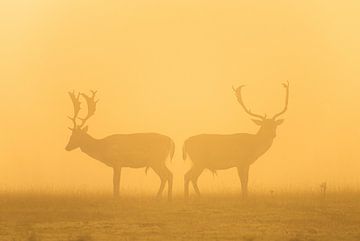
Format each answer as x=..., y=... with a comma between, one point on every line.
x=168, y=68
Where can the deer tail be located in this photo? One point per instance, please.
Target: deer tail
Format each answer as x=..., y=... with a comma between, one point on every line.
x=172, y=149
x=184, y=151
x=146, y=170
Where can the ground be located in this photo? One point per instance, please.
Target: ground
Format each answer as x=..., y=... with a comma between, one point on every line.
x=85, y=217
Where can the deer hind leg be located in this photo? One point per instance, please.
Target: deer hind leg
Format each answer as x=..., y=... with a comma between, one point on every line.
x=186, y=184
x=192, y=176
x=170, y=182
x=165, y=176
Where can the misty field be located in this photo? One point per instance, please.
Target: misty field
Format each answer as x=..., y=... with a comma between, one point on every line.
x=82, y=217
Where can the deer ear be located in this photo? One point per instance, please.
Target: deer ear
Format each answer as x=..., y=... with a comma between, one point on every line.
x=85, y=129
x=257, y=122
x=279, y=122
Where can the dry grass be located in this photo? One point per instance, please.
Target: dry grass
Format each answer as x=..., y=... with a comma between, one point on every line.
x=91, y=217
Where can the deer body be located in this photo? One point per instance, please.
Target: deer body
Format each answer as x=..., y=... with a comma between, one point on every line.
x=129, y=150
x=218, y=152
x=149, y=150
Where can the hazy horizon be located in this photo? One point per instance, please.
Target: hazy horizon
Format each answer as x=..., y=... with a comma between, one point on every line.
x=169, y=68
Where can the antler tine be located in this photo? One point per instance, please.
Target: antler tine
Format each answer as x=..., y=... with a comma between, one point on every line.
x=239, y=98
x=76, y=104
x=91, y=103
x=286, y=86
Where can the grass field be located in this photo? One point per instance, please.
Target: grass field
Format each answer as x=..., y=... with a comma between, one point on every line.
x=82, y=217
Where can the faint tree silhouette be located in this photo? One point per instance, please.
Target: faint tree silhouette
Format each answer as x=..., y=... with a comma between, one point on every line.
x=149, y=150
x=216, y=152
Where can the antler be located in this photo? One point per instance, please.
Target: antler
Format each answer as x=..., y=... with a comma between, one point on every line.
x=76, y=102
x=91, y=103
x=239, y=98
x=286, y=86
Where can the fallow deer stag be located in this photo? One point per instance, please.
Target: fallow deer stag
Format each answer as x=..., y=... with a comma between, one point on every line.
x=149, y=150
x=217, y=152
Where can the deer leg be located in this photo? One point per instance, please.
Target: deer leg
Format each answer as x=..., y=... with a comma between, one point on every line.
x=186, y=183
x=170, y=183
x=194, y=180
x=163, y=178
x=116, y=181
x=162, y=186
x=192, y=176
x=244, y=177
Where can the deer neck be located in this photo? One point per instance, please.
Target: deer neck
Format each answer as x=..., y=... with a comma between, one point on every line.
x=265, y=139
x=90, y=146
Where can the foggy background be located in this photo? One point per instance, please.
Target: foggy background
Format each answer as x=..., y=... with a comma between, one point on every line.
x=169, y=68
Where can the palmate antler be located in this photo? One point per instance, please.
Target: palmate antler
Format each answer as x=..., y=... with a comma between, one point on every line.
x=286, y=86
x=91, y=103
x=76, y=103
x=239, y=98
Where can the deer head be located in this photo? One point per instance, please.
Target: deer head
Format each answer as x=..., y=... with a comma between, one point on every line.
x=78, y=131
x=268, y=125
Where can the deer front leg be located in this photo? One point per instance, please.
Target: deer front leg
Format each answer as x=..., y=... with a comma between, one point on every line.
x=244, y=177
x=116, y=181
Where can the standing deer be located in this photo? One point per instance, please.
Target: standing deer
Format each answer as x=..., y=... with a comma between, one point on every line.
x=149, y=150
x=218, y=152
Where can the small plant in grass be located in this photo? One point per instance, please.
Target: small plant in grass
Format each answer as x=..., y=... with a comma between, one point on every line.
x=323, y=187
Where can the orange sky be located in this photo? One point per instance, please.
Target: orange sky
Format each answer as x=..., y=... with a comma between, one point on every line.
x=168, y=68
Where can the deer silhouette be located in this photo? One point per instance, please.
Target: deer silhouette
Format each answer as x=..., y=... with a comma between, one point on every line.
x=218, y=152
x=149, y=150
